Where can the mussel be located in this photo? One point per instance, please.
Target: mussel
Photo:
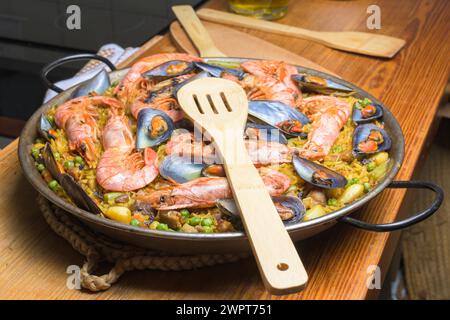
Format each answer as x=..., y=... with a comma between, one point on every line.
x=317, y=175
x=217, y=71
x=365, y=114
x=369, y=138
x=70, y=186
x=98, y=84
x=169, y=69
x=45, y=127
x=182, y=169
x=290, y=209
x=199, y=75
x=153, y=128
x=266, y=132
x=289, y=120
x=318, y=84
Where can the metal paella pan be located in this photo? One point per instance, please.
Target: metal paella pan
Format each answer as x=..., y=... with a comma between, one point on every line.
x=389, y=135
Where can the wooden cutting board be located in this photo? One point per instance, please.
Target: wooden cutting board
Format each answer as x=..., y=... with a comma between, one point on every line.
x=240, y=44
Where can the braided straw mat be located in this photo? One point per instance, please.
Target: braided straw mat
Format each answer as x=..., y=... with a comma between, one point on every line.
x=98, y=248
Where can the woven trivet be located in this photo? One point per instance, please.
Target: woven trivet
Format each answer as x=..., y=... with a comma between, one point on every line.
x=98, y=248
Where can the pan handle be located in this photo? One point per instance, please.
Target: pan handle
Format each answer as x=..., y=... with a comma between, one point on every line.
x=398, y=225
x=77, y=57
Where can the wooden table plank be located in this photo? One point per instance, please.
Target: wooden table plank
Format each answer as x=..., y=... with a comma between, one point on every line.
x=33, y=259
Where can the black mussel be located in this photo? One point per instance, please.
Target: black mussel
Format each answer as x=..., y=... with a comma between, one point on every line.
x=317, y=175
x=180, y=169
x=364, y=114
x=169, y=69
x=289, y=120
x=77, y=194
x=153, y=128
x=318, y=84
x=98, y=84
x=199, y=75
x=165, y=89
x=369, y=138
x=50, y=163
x=217, y=71
x=266, y=132
x=290, y=209
x=45, y=127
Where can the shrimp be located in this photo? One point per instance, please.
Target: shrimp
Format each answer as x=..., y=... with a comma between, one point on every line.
x=329, y=115
x=203, y=192
x=271, y=80
x=120, y=167
x=78, y=117
x=134, y=85
x=261, y=152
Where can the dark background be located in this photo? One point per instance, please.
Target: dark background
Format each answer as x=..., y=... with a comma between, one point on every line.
x=34, y=33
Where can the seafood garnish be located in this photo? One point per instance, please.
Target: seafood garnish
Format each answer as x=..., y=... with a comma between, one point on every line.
x=97, y=84
x=369, y=138
x=320, y=85
x=153, y=128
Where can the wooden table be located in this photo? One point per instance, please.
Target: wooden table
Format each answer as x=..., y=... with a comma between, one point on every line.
x=33, y=259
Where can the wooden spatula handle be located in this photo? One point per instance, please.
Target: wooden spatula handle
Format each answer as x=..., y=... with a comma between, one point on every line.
x=276, y=255
x=196, y=31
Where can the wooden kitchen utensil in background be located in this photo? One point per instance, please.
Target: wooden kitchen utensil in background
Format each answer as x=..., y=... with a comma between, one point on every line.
x=220, y=107
x=358, y=42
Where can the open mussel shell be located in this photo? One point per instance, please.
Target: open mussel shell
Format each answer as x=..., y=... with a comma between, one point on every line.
x=317, y=175
x=50, y=163
x=289, y=120
x=77, y=194
x=199, y=75
x=266, y=132
x=44, y=127
x=318, y=84
x=367, y=114
x=217, y=71
x=98, y=84
x=369, y=132
x=183, y=169
x=290, y=209
x=169, y=69
x=153, y=128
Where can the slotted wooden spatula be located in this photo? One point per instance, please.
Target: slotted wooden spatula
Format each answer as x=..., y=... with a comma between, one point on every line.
x=220, y=107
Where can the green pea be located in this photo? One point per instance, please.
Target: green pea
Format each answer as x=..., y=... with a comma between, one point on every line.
x=135, y=222
x=154, y=225
x=185, y=213
x=79, y=160
x=162, y=227
x=207, y=229
x=194, y=221
x=53, y=185
x=366, y=187
x=332, y=202
x=365, y=102
x=68, y=164
x=40, y=167
x=352, y=181
x=35, y=153
x=206, y=222
x=371, y=166
x=57, y=156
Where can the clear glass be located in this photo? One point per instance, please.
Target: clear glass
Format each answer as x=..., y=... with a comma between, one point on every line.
x=263, y=9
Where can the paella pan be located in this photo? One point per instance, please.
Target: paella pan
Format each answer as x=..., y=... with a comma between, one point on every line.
x=118, y=153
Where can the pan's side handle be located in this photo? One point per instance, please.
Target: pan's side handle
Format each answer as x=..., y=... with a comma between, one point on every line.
x=77, y=57
x=398, y=225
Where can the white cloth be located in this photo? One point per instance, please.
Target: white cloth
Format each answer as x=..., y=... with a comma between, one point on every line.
x=111, y=51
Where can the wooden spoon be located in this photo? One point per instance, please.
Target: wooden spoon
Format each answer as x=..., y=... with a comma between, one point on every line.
x=220, y=107
x=360, y=42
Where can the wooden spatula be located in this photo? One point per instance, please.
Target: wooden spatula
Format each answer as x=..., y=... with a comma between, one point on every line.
x=220, y=107
x=359, y=42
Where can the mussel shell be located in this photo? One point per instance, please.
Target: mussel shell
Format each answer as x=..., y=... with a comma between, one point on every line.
x=146, y=118
x=229, y=208
x=199, y=75
x=44, y=127
x=266, y=132
x=275, y=113
x=319, y=84
x=77, y=194
x=317, y=175
x=217, y=71
x=50, y=163
x=180, y=169
x=161, y=72
x=98, y=84
x=362, y=132
x=358, y=118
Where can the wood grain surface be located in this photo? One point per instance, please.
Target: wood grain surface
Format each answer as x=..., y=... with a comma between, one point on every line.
x=33, y=259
